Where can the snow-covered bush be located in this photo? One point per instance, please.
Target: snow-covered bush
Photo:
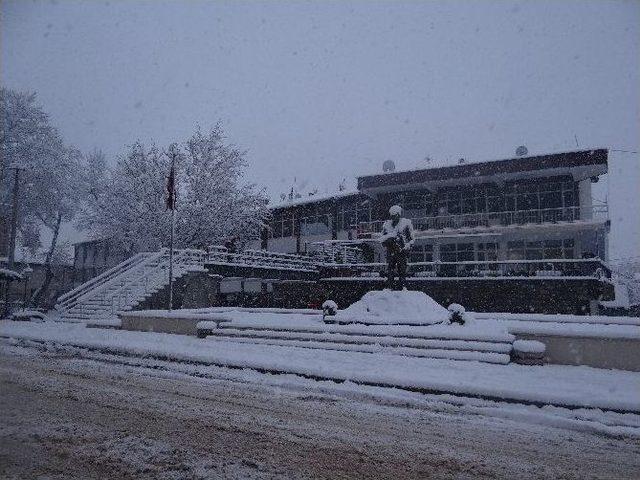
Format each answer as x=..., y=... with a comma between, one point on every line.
x=458, y=314
x=329, y=308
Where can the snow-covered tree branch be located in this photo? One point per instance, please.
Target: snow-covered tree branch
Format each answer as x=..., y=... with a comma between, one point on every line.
x=212, y=200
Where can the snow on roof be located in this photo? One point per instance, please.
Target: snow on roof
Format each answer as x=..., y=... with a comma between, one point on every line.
x=315, y=198
x=468, y=162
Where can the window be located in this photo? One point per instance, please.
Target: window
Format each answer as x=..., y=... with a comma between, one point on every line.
x=421, y=253
x=540, y=250
x=282, y=225
x=457, y=252
x=540, y=195
x=487, y=252
x=349, y=216
x=515, y=250
x=347, y=219
x=316, y=225
x=470, y=200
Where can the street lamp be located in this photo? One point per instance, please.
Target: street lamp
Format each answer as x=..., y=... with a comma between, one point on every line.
x=26, y=273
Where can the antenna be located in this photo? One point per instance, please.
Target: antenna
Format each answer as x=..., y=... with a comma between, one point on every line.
x=576, y=137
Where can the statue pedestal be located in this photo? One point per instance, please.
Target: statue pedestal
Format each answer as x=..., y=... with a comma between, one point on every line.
x=387, y=307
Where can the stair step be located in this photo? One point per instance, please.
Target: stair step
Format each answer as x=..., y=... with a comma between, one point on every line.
x=488, y=357
x=386, y=341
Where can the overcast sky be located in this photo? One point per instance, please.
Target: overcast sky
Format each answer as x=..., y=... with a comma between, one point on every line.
x=323, y=90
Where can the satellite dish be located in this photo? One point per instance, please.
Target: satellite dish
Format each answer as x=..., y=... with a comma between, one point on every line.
x=388, y=166
x=521, y=151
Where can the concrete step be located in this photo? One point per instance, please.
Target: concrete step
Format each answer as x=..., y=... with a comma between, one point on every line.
x=363, y=339
x=488, y=357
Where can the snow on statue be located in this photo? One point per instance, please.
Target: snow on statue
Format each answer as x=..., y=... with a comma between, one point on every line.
x=397, y=237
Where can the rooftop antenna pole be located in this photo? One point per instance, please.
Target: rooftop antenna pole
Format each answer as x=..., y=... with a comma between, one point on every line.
x=576, y=137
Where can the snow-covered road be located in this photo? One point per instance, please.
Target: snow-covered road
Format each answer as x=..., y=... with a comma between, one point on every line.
x=69, y=413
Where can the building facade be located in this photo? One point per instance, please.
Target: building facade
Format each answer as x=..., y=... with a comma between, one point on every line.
x=93, y=257
x=516, y=216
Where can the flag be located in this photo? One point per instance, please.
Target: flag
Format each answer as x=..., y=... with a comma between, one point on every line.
x=170, y=201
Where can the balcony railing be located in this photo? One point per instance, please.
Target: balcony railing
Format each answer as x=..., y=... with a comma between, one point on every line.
x=496, y=219
x=260, y=259
x=548, y=268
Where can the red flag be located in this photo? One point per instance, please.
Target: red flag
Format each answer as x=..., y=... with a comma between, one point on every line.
x=170, y=201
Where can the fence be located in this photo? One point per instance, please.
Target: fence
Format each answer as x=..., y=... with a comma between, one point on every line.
x=496, y=219
x=550, y=268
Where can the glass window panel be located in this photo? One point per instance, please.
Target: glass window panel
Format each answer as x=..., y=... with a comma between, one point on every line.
x=276, y=228
x=553, y=253
x=568, y=198
x=481, y=204
x=551, y=200
x=287, y=227
x=534, y=254
x=468, y=205
x=415, y=257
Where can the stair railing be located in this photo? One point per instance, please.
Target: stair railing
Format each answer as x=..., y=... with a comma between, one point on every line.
x=158, y=275
x=64, y=301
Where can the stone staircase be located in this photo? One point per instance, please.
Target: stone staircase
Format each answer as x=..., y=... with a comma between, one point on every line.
x=124, y=286
x=407, y=341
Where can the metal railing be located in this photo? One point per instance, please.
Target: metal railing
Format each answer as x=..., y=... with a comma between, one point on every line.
x=548, y=268
x=261, y=259
x=495, y=219
x=334, y=251
x=91, y=286
x=156, y=277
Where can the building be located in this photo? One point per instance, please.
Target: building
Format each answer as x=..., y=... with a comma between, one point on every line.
x=514, y=235
x=93, y=257
x=526, y=208
x=22, y=290
x=520, y=218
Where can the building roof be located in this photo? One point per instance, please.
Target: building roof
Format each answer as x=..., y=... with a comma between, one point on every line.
x=315, y=199
x=562, y=160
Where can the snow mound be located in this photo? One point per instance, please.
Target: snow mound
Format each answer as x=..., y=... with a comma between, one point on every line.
x=393, y=307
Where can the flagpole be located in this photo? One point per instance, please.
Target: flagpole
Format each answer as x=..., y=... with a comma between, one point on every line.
x=173, y=228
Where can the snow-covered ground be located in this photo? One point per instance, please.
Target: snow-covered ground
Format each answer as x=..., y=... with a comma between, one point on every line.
x=68, y=412
x=564, y=325
x=576, y=387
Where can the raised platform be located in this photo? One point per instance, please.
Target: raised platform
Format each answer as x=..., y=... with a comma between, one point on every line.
x=569, y=295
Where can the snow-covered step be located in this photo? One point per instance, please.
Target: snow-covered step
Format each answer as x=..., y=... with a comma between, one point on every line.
x=434, y=332
x=385, y=341
x=453, y=354
x=127, y=284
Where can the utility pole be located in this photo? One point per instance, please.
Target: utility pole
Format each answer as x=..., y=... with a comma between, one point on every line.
x=14, y=216
x=11, y=254
x=171, y=204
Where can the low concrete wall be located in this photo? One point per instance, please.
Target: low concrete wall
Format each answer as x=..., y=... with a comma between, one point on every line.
x=183, y=326
x=618, y=353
